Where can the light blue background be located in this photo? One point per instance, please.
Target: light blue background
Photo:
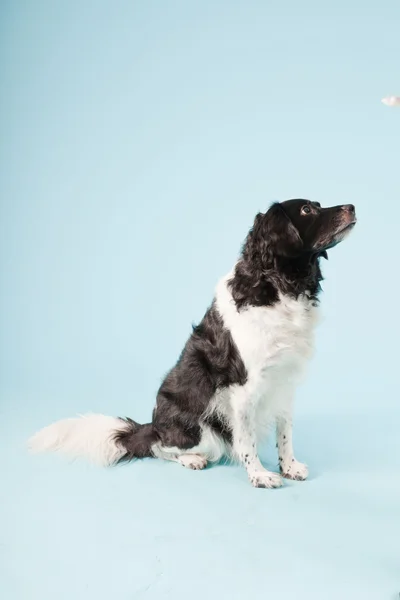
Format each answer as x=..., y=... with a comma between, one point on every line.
x=138, y=140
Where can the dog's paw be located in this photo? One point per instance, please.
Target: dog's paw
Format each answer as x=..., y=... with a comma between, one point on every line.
x=192, y=461
x=294, y=470
x=265, y=479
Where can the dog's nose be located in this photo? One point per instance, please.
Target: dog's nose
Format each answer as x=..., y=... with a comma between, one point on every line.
x=349, y=208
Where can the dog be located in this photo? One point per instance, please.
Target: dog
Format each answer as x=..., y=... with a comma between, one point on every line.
x=239, y=369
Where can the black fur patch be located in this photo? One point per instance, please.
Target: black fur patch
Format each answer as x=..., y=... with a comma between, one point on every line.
x=210, y=361
x=137, y=439
x=274, y=261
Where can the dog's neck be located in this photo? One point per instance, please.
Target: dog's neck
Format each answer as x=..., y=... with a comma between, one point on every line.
x=255, y=284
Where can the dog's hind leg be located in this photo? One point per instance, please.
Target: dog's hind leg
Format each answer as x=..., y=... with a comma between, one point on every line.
x=188, y=459
x=192, y=461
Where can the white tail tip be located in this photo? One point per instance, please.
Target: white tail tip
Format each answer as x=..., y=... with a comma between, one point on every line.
x=88, y=436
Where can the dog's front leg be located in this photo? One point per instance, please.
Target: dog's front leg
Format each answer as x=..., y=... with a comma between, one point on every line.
x=245, y=440
x=289, y=466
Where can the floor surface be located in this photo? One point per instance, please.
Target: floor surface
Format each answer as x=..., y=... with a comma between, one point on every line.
x=153, y=529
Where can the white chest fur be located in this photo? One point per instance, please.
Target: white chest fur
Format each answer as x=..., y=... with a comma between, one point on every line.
x=270, y=339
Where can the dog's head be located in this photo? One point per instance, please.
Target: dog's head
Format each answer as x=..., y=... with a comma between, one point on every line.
x=300, y=227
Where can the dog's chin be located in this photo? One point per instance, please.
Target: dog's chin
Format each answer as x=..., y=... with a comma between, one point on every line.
x=347, y=228
x=338, y=237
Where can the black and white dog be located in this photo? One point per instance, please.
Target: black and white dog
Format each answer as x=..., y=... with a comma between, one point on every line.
x=238, y=371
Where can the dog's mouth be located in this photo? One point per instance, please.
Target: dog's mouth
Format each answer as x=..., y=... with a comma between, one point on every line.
x=347, y=226
x=339, y=235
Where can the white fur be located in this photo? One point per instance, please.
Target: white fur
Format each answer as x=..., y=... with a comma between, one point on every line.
x=275, y=344
x=289, y=466
x=193, y=461
x=265, y=479
x=211, y=446
x=276, y=336
x=87, y=435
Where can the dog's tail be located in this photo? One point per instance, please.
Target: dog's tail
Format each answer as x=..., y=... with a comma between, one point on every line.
x=103, y=440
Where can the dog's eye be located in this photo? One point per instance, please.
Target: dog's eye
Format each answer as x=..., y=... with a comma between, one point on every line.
x=305, y=210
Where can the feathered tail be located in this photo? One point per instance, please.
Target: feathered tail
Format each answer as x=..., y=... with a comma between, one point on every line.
x=102, y=440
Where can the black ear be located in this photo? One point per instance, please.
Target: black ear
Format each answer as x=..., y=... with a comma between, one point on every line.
x=273, y=234
x=284, y=238
x=324, y=254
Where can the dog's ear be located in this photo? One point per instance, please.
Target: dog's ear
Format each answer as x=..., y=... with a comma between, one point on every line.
x=324, y=254
x=284, y=238
x=273, y=234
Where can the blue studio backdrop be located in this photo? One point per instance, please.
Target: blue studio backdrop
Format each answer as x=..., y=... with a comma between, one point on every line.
x=138, y=140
